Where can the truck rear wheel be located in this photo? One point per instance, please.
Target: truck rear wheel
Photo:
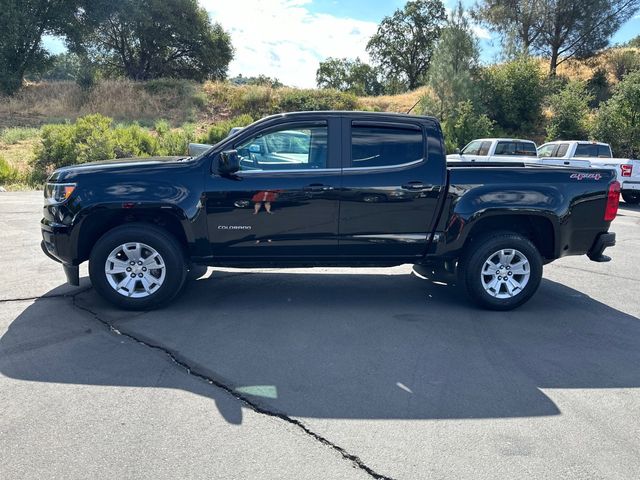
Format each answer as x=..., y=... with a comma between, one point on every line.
x=631, y=197
x=502, y=271
x=137, y=266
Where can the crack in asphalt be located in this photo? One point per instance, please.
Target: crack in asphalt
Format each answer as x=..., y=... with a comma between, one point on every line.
x=354, y=459
x=55, y=295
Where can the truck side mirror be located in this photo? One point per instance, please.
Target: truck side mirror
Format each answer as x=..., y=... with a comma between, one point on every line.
x=228, y=162
x=196, y=149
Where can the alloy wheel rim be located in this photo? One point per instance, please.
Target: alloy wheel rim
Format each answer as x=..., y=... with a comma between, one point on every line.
x=505, y=273
x=135, y=270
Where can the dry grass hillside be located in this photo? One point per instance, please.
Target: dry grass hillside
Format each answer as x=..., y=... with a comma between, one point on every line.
x=202, y=107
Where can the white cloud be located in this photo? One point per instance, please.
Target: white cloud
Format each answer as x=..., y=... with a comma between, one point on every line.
x=481, y=32
x=284, y=39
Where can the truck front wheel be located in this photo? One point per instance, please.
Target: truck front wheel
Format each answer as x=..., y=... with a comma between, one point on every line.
x=502, y=271
x=137, y=266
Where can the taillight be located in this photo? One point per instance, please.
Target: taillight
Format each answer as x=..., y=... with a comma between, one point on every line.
x=613, y=199
x=626, y=170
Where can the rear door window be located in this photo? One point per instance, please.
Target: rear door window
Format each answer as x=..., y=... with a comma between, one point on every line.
x=484, y=149
x=506, y=148
x=527, y=149
x=604, y=151
x=385, y=146
x=562, y=150
x=586, y=150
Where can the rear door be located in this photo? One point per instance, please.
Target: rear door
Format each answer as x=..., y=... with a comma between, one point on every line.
x=394, y=172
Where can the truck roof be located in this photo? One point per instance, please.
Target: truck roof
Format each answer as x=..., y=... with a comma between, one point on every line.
x=504, y=140
x=359, y=113
x=579, y=142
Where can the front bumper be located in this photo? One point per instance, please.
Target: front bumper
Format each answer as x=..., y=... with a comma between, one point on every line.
x=604, y=240
x=56, y=244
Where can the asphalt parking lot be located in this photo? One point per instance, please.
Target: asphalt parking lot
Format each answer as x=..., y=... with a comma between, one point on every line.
x=318, y=373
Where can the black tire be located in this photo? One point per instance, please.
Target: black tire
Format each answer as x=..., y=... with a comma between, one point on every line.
x=480, y=251
x=162, y=242
x=631, y=197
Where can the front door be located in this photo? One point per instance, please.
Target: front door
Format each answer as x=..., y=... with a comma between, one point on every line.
x=283, y=201
x=390, y=189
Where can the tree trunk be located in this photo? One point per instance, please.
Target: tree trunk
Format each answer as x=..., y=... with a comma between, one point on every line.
x=553, y=63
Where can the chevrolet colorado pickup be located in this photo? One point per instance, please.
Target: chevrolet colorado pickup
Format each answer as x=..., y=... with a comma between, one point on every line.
x=324, y=189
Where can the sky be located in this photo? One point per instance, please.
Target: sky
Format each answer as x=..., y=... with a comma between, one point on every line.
x=287, y=39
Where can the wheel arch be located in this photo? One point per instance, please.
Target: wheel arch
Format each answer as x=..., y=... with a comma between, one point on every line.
x=101, y=221
x=539, y=229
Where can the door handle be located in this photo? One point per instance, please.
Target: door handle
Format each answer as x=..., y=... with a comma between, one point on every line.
x=317, y=187
x=414, y=186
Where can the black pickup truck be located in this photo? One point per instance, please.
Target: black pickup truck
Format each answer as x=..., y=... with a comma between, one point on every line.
x=324, y=189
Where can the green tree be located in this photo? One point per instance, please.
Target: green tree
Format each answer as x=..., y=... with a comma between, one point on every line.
x=569, y=112
x=145, y=39
x=519, y=22
x=346, y=75
x=23, y=23
x=618, y=120
x=463, y=125
x=403, y=45
x=598, y=87
x=455, y=58
x=634, y=42
x=579, y=28
x=512, y=94
x=623, y=61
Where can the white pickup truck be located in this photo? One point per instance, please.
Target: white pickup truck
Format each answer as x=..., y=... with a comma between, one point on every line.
x=496, y=150
x=577, y=153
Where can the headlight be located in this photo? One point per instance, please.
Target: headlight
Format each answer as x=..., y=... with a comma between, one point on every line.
x=55, y=193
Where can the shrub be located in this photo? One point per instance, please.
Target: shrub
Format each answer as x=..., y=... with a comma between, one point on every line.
x=176, y=141
x=569, y=112
x=221, y=129
x=172, y=86
x=293, y=100
x=254, y=100
x=464, y=125
x=13, y=135
x=624, y=61
x=618, y=119
x=94, y=137
x=8, y=174
x=599, y=88
x=512, y=94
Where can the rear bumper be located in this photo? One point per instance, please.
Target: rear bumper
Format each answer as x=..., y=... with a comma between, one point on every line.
x=603, y=240
x=630, y=186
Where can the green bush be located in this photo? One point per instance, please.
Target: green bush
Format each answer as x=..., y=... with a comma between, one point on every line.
x=618, y=119
x=311, y=100
x=463, y=125
x=8, y=174
x=175, y=141
x=221, y=129
x=569, y=113
x=13, y=135
x=512, y=94
x=94, y=137
x=255, y=100
x=172, y=86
